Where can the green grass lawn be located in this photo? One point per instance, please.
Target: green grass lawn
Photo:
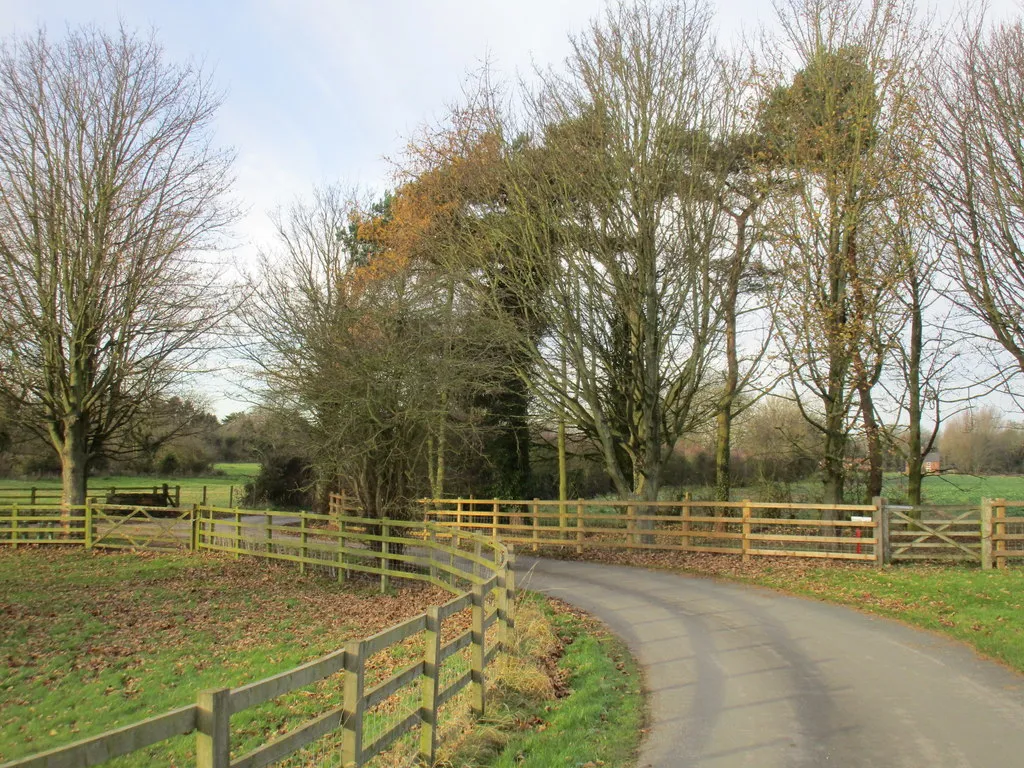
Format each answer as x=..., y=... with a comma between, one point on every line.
x=959, y=489
x=946, y=489
x=218, y=486
x=982, y=608
x=92, y=641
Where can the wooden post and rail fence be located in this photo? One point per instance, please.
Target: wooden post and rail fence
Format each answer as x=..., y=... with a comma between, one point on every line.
x=477, y=570
x=463, y=546
x=878, y=533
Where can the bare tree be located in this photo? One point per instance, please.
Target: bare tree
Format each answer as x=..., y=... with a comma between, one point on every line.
x=979, y=180
x=925, y=353
x=109, y=190
x=748, y=175
x=373, y=348
x=840, y=126
x=610, y=213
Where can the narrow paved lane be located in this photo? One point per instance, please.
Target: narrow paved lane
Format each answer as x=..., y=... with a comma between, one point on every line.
x=740, y=676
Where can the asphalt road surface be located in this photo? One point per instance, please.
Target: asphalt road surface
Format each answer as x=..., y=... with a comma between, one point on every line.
x=741, y=676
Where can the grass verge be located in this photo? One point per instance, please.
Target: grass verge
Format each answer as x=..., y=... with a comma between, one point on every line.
x=569, y=695
x=982, y=608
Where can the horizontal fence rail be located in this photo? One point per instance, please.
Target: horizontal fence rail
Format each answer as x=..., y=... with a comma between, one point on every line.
x=747, y=528
x=991, y=534
x=54, y=495
x=458, y=639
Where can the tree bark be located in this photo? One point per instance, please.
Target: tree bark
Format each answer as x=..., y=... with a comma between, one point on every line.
x=74, y=465
x=872, y=434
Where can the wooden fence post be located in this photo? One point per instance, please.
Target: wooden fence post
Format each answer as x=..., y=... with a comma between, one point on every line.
x=14, y=524
x=231, y=495
x=504, y=637
x=32, y=497
x=432, y=548
x=1000, y=517
x=881, y=520
x=238, y=533
x=87, y=525
x=341, y=551
x=268, y=531
x=194, y=529
x=495, y=509
x=213, y=729
x=579, y=526
x=986, y=534
x=385, y=561
x=684, y=519
x=456, y=541
x=477, y=652
x=303, y=539
x=353, y=705
x=536, y=523
x=450, y=576
x=631, y=536
x=430, y=684
x=203, y=502
x=510, y=598
x=745, y=541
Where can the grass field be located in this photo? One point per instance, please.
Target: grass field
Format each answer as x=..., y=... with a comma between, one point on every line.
x=218, y=486
x=959, y=489
x=94, y=641
x=946, y=489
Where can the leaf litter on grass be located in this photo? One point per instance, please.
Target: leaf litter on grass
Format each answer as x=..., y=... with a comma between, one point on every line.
x=95, y=640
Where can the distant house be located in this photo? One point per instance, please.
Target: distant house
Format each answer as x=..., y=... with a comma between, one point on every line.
x=932, y=464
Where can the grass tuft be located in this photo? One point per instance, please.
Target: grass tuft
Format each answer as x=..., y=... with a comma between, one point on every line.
x=587, y=711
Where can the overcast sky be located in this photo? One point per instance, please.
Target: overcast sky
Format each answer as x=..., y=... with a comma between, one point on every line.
x=323, y=92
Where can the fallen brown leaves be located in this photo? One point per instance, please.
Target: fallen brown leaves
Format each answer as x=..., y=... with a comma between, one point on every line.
x=707, y=564
x=110, y=621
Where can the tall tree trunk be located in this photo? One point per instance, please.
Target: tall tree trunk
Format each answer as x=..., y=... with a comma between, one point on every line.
x=651, y=439
x=873, y=436
x=563, y=475
x=915, y=456
x=74, y=464
x=833, y=469
x=723, y=443
x=74, y=460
